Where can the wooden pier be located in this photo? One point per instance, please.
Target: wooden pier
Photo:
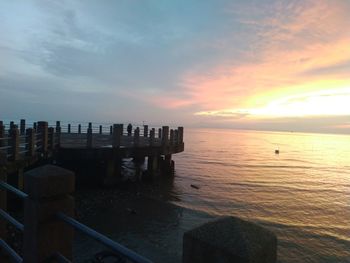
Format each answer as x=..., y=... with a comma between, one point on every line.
x=23, y=146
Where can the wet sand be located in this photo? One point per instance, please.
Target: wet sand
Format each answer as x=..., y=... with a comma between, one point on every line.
x=139, y=216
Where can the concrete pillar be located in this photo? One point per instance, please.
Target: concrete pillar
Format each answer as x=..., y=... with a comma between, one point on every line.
x=228, y=240
x=79, y=128
x=165, y=135
x=30, y=142
x=14, y=143
x=43, y=131
x=22, y=126
x=145, y=130
x=48, y=188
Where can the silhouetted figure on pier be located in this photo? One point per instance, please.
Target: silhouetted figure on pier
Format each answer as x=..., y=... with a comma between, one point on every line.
x=129, y=129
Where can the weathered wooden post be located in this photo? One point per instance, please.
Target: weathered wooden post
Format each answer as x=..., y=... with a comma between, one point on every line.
x=3, y=177
x=181, y=134
x=12, y=125
x=172, y=137
x=152, y=137
x=152, y=161
x=51, y=138
x=30, y=142
x=22, y=126
x=2, y=133
x=68, y=128
x=227, y=240
x=111, y=129
x=43, y=131
x=117, y=131
x=165, y=135
x=176, y=136
x=48, y=188
x=58, y=135
x=79, y=128
x=14, y=143
x=100, y=130
x=58, y=126
x=35, y=126
x=137, y=136
x=145, y=130
x=89, y=138
x=159, y=133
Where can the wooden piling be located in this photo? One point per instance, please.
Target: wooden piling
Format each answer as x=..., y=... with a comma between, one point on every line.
x=14, y=143
x=43, y=131
x=22, y=126
x=58, y=126
x=30, y=142
x=100, y=129
x=159, y=133
x=165, y=135
x=145, y=130
x=181, y=134
x=79, y=128
x=172, y=137
x=137, y=136
x=89, y=137
x=68, y=128
x=51, y=138
x=117, y=130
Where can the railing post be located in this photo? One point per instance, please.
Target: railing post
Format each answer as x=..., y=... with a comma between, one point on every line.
x=43, y=130
x=137, y=136
x=48, y=188
x=30, y=140
x=14, y=143
x=51, y=138
x=165, y=135
x=79, y=128
x=145, y=130
x=89, y=138
x=117, y=131
x=22, y=126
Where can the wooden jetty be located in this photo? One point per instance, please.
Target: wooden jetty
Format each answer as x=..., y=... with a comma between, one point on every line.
x=22, y=147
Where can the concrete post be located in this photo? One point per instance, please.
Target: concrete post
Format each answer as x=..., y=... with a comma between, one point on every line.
x=145, y=130
x=22, y=126
x=227, y=240
x=14, y=143
x=48, y=188
x=30, y=140
x=89, y=138
x=165, y=135
x=68, y=128
x=137, y=136
x=51, y=138
x=43, y=130
x=79, y=128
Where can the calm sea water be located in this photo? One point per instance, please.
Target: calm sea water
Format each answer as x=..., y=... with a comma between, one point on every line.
x=301, y=194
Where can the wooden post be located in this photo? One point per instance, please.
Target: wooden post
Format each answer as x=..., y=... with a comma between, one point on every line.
x=14, y=143
x=172, y=137
x=2, y=133
x=181, y=134
x=3, y=205
x=22, y=126
x=79, y=128
x=137, y=136
x=58, y=126
x=117, y=130
x=100, y=129
x=30, y=140
x=68, y=128
x=43, y=130
x=51, y=138
x=145, y=130
x=48, y=188
x=34, y=126
x=151, y=137
x=159, y=133
x=111, y=129
x=58, y=136
x=176, y=136
x=165, y=135
x=12, y=125
x=89, y=138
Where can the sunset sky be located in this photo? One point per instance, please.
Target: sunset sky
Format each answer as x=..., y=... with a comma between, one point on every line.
x=263, y=64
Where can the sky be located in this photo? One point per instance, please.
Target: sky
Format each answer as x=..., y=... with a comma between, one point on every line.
x=258, y=64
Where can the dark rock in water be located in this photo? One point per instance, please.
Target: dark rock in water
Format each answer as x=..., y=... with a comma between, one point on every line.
x=194, y=186
x=277, y=151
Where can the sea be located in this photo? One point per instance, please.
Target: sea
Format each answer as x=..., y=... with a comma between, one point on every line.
x=302, y=193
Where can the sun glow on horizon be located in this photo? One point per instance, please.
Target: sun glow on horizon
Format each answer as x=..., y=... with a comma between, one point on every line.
x=334, y=102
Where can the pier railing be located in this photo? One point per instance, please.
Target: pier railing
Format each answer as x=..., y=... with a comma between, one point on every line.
x=48, y=220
